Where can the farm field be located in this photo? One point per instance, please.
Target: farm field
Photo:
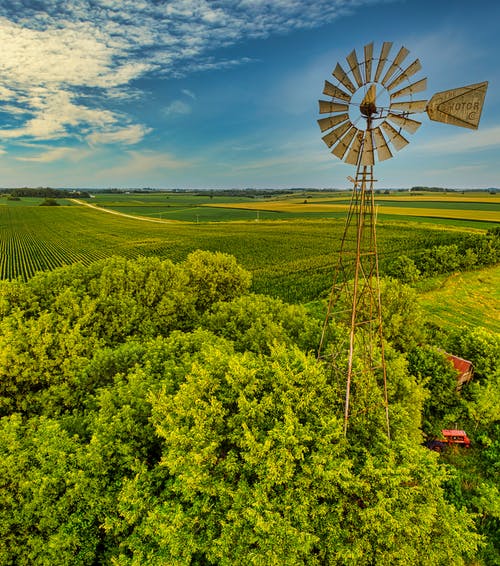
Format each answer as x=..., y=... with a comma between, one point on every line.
x=291, y=259
x=476, y=209
x=456, y=208
x=471, y=298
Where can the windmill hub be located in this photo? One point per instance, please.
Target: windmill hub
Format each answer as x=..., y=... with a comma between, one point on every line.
x=368, y=109
x=368, y=106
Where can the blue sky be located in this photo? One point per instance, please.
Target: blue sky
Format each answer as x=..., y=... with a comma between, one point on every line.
x=206, y=94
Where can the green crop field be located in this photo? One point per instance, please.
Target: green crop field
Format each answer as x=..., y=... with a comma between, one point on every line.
x=290, y=258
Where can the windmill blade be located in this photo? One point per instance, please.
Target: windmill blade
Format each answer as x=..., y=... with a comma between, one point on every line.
x=396, y=64
x=367, y=156
x=331, y=121
x=335, y=92
x=326, y=107
x=336, y=134
x=419, y=86
x=340, y=149
x=368, y=62
x=384, y=52
x=459, y=106
x=352, y=60
x=353, y=155
x=407, y=124
x=397, y=140
x=410, y=106
x=383, y=151
x=342, y=77
x=405, y=75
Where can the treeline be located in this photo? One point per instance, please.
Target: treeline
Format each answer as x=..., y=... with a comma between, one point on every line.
x=447, y=190
x=158, y=413
x=252, y=193
x=471, y=252
x=44, y=192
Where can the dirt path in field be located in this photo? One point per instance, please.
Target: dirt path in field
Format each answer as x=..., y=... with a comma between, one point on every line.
x=143, y=218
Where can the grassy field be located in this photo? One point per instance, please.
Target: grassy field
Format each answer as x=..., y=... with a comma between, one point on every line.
x=459, y=299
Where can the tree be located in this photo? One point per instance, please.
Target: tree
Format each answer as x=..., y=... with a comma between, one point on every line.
x=49, y=202
x=480, y=346
x=256, y=470
x=404, y=269
x=45, y=516
x=255, y=322
x=443, y=406
x=215, y=277
x=402, y=317
x=54, y=324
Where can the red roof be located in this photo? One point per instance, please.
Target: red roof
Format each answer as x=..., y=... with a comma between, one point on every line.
x=461, y=365
x=453, y=432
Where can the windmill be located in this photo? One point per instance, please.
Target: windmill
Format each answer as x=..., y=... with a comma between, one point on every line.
x=369, y=114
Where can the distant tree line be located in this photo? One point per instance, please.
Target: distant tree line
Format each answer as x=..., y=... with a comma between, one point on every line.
x=474, y=251
x=44, y=192
x=448, y=189
x=429, y=189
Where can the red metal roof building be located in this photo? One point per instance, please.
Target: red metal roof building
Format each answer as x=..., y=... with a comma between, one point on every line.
x=464, y=369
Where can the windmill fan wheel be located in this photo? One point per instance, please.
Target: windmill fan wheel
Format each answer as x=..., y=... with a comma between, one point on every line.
x=370, y=105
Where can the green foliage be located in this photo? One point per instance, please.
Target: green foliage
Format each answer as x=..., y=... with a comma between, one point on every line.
x=45, y=517
x=257, y=471
x=216, y=277
x=155, y=413
x=468, y=253
x=255, y=322
x=53, y=325
x=443, y=406
x=473, y=480
x=402, y=317
x=49, y=202
x=404, y=269
x=479, y=346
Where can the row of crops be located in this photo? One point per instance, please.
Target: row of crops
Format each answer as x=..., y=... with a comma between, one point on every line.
x=32, y=240
x=292, y=259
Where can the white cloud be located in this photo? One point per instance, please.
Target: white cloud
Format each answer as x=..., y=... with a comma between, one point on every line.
x=52, y=113
x=53, y=50
x=177, y=108
x=128, y=136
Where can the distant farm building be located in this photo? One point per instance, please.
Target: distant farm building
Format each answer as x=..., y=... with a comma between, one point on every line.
x=464, y=369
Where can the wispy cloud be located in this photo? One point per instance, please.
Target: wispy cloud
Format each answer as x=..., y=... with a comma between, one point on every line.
x=139, y=162
x=462, y=142
x=177, y=108
x=128, y=136
x=52, y=51
x=51, y=155
x=189, y=93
